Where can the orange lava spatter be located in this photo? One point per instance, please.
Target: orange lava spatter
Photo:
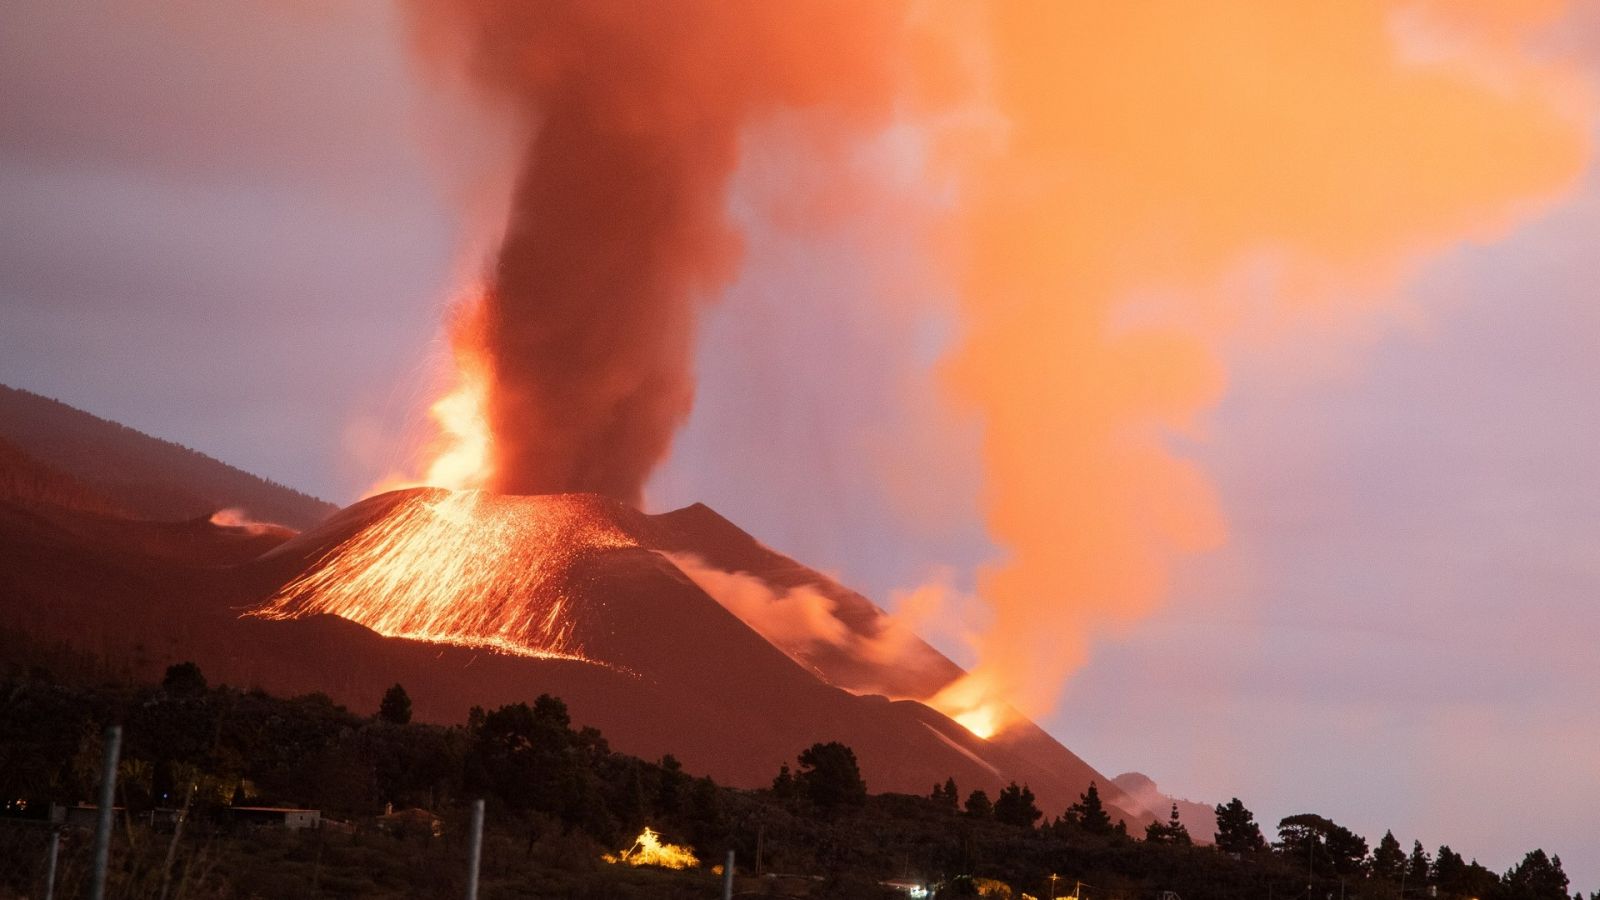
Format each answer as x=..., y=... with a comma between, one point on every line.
x=468, y=568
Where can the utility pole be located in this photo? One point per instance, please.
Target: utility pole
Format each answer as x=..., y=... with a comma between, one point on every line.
x=727, y=878
x=108, y=797
x=475, y=849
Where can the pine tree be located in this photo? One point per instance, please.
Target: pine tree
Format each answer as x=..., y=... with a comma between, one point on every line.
x=1237, y=831
x=1015, y=806
x=1170, y=832
x=1389, y=861
x=1449, y=870
x=1089, y=813
x=978, y=805
x=783, y=785
x=1537, y=877
x=395, y=708
x=830, y=776
x=1419, y=867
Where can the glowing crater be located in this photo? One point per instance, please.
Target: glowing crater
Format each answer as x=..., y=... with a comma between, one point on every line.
x=468, y=568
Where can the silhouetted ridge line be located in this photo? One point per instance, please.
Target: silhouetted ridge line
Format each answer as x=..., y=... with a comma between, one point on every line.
x=143, y=475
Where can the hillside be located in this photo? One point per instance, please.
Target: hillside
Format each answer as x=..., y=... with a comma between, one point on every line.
x=114, y=466
x=658, y=662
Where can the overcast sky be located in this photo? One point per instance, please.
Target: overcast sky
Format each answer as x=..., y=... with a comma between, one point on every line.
x=233, y=229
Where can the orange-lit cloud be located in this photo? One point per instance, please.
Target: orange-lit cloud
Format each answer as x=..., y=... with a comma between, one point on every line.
x=1135, y=158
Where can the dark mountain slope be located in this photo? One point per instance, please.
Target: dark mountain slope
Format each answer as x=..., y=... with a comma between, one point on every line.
x=145, y=477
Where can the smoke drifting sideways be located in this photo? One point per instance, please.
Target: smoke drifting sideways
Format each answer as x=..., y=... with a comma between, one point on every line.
x=1166, y=179
x=1131, y=189
x=577, y=349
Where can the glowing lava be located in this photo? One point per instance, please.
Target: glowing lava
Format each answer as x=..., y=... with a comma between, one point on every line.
x=650, y=850
x=464, y=567
x=460, y=452
x=973, y=705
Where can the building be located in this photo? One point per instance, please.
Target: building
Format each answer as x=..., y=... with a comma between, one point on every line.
x=275, y=817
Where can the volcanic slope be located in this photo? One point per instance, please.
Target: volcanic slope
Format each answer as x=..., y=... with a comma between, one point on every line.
x=143, y=476
x=647, y=655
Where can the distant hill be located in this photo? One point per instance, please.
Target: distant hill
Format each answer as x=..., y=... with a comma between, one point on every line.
x=1200, y=819
x=77, y=459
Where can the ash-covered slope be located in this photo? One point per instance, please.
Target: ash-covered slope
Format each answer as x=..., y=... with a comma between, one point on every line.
x=658, y=664
x=670, y=669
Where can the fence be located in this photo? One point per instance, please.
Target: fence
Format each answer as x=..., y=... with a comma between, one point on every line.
x=99, y=852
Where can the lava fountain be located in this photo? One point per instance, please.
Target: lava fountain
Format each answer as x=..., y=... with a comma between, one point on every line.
x=468, y=568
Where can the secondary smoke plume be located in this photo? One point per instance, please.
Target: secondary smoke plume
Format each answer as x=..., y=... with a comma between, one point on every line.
x=617, y=230
x=1148, y=156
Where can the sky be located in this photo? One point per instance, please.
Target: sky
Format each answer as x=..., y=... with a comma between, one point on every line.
x=240, y=231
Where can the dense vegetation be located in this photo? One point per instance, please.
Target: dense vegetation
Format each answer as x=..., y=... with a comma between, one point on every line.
x=558, y=798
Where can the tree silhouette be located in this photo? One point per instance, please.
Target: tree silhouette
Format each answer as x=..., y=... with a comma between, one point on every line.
x=1419, y=867
x=184, y=678
x=783, y=785
x=978, y=805
x=1015, y=806
x=1089, y=813
x=1389, y=861
x=1537, y=877
x=395, y=707
x=1237, y=831
x=945, y=795
x=830, y=777
x=1170, y=832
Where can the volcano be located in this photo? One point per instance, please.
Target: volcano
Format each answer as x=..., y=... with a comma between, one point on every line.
x=574, y=595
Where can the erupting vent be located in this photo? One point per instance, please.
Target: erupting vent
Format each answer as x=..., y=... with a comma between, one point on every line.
x=460, y=567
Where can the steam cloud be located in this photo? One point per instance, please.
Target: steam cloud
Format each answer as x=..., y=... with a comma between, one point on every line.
x=617, y=230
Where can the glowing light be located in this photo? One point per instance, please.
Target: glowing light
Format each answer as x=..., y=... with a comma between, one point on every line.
x=460, y=455
x=973, y=704
x=649, y=850
x=464, y=567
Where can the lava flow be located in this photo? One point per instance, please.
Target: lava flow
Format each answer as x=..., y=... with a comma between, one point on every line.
x=460, y=567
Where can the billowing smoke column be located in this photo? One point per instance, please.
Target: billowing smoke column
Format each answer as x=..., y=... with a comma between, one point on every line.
x=1132, y=187
x=1168, y=177
x=617, y=229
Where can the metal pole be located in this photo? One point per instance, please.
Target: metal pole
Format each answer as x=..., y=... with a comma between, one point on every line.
x=50, y=868
x=476, y=849
x=727, y=878
x=108, y=796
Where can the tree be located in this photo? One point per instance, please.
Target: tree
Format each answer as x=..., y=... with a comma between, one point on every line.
x=1537, y=877
x=1089, y=813
x=830, y=777
x=1015, y=806
x=1389, y=861
x=783, y=785
x=1418, y=867
x=1171, y=832
x=978, y=805
x=1237, y=831
x=945, y=795
x=184, y=678
x=1449, y=870
x=1311, y=838
x=395, y=708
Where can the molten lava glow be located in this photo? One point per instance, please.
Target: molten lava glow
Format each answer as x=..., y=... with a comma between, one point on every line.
x=975, y=706
x=460, y=455
x=463, y=567
x=650, y=850
x=462, y=459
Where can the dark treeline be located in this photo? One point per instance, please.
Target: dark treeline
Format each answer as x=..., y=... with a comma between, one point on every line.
x=558, y=797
